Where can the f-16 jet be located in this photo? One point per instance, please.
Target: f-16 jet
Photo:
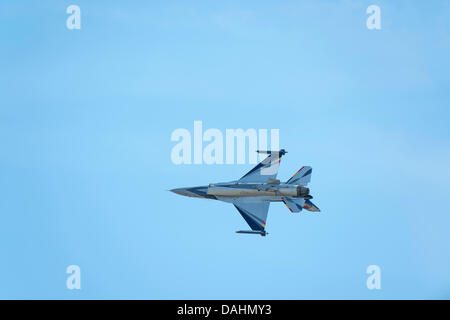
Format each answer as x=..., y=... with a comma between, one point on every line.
x=253, y=193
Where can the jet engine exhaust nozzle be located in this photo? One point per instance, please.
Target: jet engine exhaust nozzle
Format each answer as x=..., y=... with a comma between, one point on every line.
x=302, y=191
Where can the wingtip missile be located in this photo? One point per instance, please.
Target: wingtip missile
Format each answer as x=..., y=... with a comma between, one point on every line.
x=262, y=232
x=281, y=151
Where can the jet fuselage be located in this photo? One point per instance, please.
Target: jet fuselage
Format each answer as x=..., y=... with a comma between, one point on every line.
x=271, y=192
x=253, y=192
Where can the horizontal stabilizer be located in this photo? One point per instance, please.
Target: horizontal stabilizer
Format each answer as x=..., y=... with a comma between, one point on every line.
x=262, y=232
x=310, y=206
x=294, y=205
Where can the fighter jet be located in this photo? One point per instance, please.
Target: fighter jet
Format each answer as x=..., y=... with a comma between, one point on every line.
x=253, y=193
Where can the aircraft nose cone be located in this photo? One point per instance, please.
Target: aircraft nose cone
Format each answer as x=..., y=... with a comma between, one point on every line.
x=180, y=191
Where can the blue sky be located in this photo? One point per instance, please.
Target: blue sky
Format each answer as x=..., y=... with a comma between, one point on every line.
x=85, y=124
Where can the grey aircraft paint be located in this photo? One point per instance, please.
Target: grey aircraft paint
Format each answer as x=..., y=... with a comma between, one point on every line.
x=252, y=194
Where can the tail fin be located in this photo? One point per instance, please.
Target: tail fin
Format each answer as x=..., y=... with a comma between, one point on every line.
x=302, y=177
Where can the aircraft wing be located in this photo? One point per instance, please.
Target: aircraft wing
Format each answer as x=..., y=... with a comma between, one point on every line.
x=266, y=169
x=254, y=213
